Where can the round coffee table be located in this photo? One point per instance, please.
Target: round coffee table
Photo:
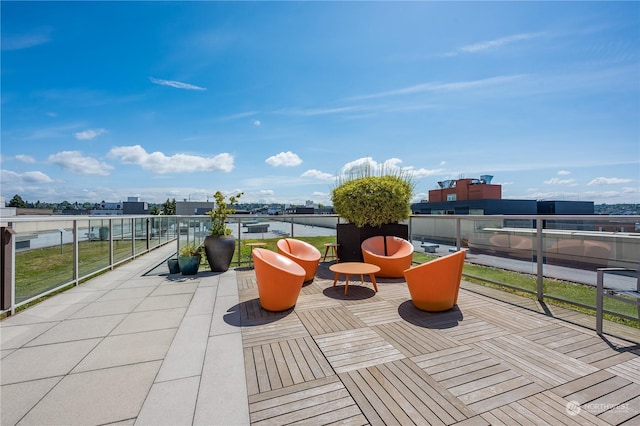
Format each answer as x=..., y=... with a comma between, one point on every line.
x=354, y=268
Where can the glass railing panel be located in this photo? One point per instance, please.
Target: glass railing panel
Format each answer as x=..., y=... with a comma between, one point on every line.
x=574, y=250
x=122, y=233
x=43, y=257
x=93, y=251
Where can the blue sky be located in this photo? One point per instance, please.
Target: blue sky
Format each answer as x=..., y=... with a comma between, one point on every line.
x=108, y=100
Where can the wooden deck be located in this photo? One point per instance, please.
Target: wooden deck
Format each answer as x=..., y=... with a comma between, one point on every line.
x=372, y=358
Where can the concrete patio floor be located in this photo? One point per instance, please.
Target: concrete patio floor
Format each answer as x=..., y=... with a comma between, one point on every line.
x=139, y=346
x=127, y=347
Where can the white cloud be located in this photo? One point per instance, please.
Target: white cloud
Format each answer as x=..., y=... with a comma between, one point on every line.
x=24, y=178
x=422, y=172
x=89, y=134
x=75, y=162
x=36, y=177
x=256, y=123
x=25, y=158
x=563, y=173
x=607, y=181
x=285, y=159
x=157, y=162
x=392, y=165
x=317, y=174
x=557, y=181
x=176, y=84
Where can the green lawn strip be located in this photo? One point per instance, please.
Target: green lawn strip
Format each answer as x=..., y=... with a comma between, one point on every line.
x=42, y=269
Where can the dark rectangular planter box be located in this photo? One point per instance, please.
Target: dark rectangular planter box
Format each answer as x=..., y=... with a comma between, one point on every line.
x=350, y=238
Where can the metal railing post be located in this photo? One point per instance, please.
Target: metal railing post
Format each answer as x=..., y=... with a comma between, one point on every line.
x=238, y=249
x=132, y=226
x=111, y=255
x=458, y=235
x=148, y=234
x=539, y=260
x=8, y=257
x=76, y=252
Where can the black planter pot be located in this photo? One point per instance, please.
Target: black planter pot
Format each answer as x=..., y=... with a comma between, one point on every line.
x=350, y=238
x=219, y=251
x=189, y=265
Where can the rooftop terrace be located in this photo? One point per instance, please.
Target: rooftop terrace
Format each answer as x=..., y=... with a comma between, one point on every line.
x=139, y=346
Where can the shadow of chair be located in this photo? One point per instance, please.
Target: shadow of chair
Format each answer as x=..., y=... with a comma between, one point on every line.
x=301, y=252
x=434, y=285
x=279, y=279
x=392, y=254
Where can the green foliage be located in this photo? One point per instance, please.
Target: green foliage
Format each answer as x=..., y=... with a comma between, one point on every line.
x=169, y=207
x=364, y=198
x=221, y=212
x=17, y=201
x=190, y=250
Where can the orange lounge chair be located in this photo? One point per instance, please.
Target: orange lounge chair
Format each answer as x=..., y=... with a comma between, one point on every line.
x=434, y=285
x=393, y=261
x=304, y=254
x=279, y=279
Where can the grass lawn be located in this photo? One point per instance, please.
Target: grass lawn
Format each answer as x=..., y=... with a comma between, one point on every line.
x=43, y=269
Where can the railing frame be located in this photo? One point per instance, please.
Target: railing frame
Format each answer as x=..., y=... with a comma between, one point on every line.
x=178, y=221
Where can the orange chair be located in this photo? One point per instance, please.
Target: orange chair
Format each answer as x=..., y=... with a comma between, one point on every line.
x=434, y=285
x=304, y=254
x=279, y=279
x=392, y=258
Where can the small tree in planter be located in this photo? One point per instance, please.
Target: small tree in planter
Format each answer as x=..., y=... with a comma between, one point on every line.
x=373, y=202
x=220, y=245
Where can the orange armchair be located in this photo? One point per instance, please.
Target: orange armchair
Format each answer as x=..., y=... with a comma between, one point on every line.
x=392, y=261
x=279, y=279
x=434, y=285
x=304, y=254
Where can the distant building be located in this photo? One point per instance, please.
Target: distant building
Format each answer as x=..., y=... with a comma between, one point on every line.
x=189, y=208
x=135, y=207
x=481, y=197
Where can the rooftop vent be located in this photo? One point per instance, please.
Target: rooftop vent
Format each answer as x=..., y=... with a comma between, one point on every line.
x=486, y=178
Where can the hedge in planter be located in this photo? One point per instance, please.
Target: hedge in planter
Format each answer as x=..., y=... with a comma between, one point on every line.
x=373, y=204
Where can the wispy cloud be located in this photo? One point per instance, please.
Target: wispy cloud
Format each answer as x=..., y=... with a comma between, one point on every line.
x=27, y=40
x=77, y=163
x=175, y=84
x=608, y=181
x=444, y=87
x=318, y=111
x=285, y=159
x=237, y=116
x=157, y=162
x=495, y=44
x=25, y=158
x=89, y=134
x=558, y=181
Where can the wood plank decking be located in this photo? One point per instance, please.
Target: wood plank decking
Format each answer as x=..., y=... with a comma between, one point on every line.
x=372, y=358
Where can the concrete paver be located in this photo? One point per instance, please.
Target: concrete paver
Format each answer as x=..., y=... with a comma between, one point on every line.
x=131, y=346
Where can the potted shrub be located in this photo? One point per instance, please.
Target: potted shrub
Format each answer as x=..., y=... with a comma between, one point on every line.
x=373, y=202
x=220, y=245
x=173, y=265
x=189, y=259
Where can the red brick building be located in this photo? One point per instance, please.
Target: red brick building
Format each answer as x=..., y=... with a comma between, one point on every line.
x=466, y=189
